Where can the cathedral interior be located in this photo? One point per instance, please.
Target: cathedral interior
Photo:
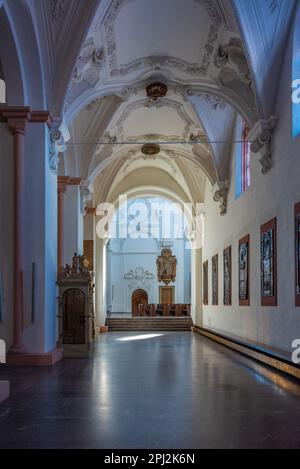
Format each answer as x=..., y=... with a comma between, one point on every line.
x=150, y=224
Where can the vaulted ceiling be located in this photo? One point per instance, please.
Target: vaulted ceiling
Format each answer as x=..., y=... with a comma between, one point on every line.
x=133, y=43
x=89, y=62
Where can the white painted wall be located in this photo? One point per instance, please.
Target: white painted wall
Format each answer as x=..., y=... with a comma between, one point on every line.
x=270, y=195
x=40, y=231
x=73, y=224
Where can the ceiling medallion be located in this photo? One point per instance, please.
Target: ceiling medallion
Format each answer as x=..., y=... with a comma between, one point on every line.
x=150, y=149
x=156, y=91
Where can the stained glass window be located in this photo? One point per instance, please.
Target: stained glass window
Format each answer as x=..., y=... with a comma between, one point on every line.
x=2, y=92
x=1, y=297
x=215, y=299
x=267, y=271
x=205, y=283
x=227, y=276
x=296, y=78
x=243, y=158
x=244, y=271
x=297, y=252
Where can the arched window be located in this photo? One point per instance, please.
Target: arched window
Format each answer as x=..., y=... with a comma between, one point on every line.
x=2, y=92
x=296, y=78
x=243, y=156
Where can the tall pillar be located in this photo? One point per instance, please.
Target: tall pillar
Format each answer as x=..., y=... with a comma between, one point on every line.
x=32, y=304
x=17, y=119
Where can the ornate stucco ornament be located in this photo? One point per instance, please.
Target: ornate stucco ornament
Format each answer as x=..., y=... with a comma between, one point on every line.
x=234, y=73
x=220, y=194
x=232, y=56
x=57, y=145
x=94, y=58
x=139, y=278
x=58, y=8
x=156, y=91
x=150, y=149
x=261, y=138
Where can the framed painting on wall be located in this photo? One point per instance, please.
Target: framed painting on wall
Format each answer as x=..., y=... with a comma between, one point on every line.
x=268, y=264
x=205, y=283
x=227, y=268
x=215, y=299
x=244, y=271
x=297, y=254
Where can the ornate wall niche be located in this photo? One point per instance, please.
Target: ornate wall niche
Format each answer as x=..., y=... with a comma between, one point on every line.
x=215, y=282
x=268, y=264
x=205, y=283
x=297, y=254
x=244, y=271
x=227, y=277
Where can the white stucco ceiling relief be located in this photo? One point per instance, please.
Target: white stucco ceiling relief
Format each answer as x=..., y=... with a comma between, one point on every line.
x=192, y=47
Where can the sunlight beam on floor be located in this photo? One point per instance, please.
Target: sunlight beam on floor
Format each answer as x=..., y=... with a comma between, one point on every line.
x=139, y=337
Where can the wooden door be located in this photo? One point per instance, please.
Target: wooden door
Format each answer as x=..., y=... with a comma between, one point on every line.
x=139, y=302
x=166, y=295
x=73, y=317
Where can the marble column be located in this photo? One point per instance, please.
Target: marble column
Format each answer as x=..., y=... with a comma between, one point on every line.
x=17, y=119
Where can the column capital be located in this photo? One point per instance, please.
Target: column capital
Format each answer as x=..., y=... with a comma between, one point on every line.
x=62, y=182
x=90, y=211
x=41, y=117
x=74, y=181
x=16, y=118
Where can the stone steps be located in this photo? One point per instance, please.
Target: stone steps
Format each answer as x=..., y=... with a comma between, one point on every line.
x=149, y=324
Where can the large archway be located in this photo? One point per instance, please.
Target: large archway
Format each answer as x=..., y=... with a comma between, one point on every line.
x=152, y=224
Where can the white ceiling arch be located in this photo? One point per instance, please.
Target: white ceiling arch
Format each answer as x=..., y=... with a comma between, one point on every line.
x=64, y=55
x=152, y=191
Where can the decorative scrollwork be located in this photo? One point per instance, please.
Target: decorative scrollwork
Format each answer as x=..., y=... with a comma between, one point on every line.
x=220, y=190
x=57, y=145
x=261, y=137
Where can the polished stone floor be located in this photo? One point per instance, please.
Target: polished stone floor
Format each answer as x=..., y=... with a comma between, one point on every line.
x=176, y=390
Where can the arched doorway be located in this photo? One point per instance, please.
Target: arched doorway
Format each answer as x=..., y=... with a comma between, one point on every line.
x=139, y=302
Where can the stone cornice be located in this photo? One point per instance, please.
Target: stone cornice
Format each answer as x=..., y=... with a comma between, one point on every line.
x=64, y=181
x=24, y=113
x=261, y=137
x=90, y=211
x=72, y=181
x=16, y=118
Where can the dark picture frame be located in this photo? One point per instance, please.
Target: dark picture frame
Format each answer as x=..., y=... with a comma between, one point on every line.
x=215, y=281
x=205, y=283
x=268, y=266
x=227, y=276
x=297, y=254
x=244, y=271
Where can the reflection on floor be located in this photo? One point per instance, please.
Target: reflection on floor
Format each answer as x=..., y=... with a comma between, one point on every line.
x=173, y=390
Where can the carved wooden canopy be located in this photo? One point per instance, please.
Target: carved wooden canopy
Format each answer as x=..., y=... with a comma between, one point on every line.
x=166, y=266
